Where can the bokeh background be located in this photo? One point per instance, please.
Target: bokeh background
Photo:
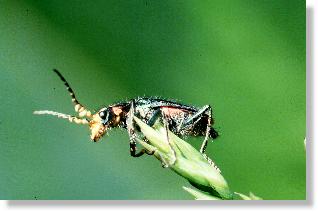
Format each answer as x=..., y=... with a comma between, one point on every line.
x=246, y=58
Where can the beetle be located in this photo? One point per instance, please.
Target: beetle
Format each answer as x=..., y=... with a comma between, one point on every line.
x=183, y=120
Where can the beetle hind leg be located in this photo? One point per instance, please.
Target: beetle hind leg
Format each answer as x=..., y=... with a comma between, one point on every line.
x=209, y=132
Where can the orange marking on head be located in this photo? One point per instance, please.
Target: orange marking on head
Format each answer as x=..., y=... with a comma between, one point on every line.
x=117, y=110
x=97, y=128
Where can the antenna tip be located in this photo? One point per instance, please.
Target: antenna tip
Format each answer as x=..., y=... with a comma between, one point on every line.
x=39, y=112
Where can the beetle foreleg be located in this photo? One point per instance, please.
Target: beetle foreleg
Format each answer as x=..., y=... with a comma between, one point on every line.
x=132, y=134
x=133, y=150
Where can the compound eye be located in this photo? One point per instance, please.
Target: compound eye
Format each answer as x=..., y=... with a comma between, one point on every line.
x=102, y=115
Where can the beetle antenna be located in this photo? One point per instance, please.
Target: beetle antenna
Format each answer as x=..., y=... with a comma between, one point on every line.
x=61, y=115
x=79, y=108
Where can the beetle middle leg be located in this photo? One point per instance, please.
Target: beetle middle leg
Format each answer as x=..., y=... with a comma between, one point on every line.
x=155, y=117
x=160, y=115
x=166, y=126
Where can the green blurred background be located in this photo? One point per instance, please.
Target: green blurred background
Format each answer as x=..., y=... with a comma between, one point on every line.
x=246, y=58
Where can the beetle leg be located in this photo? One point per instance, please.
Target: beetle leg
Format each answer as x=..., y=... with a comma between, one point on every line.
x=196, y=117
x=207, y=133
x=132, y=133
x=154, y=117
x=133, y=150
x=131, y=130
x=166, y=126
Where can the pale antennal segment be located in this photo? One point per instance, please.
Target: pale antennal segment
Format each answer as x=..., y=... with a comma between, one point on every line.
x=61, y=115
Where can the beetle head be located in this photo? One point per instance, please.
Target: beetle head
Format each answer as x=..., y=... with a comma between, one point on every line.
x=100, y=123
x=105, y=118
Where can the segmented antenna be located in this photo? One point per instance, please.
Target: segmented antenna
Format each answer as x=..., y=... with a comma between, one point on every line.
x=61, y=115
x=79, y=108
